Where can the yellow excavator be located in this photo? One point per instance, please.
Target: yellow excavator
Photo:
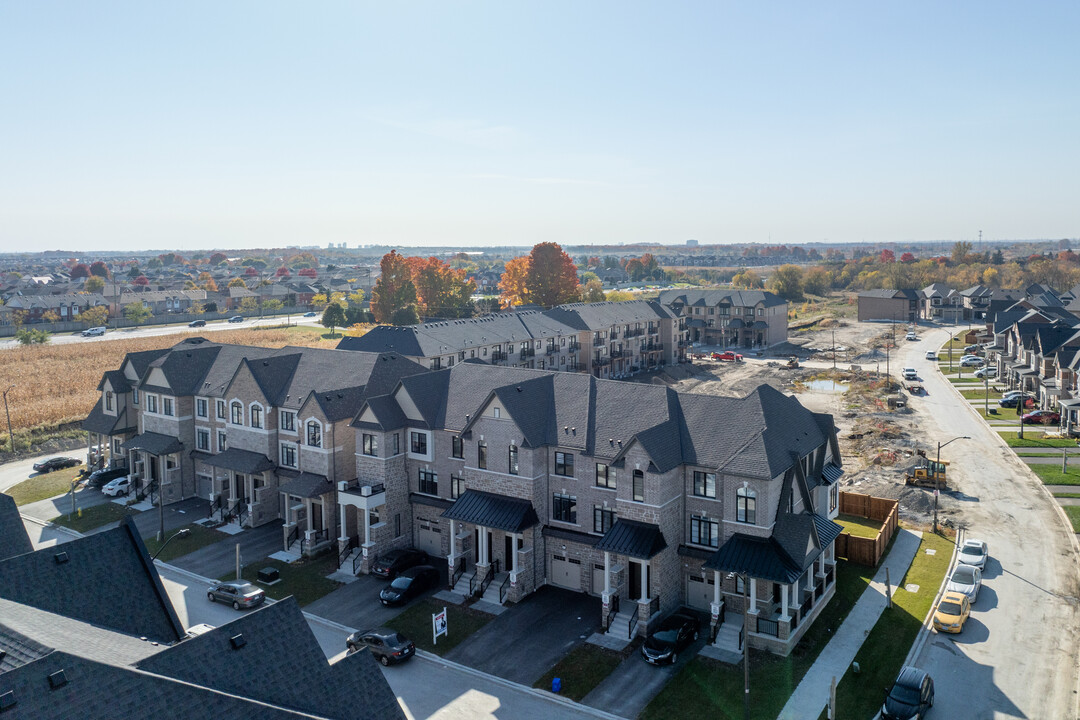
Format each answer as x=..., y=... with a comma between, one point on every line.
x=926, y=473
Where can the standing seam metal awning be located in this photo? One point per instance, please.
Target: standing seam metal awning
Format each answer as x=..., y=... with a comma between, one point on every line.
x=242, y=461
x=499, y=512
x=756, y=557
x=633, y=539
x=153, y=443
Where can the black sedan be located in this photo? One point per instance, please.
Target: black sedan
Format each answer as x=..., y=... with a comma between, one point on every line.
x=386, y=645
x=98, y=478
x=197, y=323
x=675, y=633
x=391, y=564
x=56, y=463
x=409, y=584
x=236, y=318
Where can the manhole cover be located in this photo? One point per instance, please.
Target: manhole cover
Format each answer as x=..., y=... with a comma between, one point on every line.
x=911, y=588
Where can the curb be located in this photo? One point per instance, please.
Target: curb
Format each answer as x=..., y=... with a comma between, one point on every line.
x=541, y=694
x=46, y=524
x=924, y=633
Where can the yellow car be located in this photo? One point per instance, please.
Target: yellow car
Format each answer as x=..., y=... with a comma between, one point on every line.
x=952, y=612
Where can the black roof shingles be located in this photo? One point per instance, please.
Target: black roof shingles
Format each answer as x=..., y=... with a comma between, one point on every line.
x=13, y=538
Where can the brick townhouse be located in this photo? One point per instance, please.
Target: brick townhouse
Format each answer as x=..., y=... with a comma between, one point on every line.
x=608, y=339
x=515, y=478
x=738, y=318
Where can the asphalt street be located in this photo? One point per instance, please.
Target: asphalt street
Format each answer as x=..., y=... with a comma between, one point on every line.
x=1018, y=655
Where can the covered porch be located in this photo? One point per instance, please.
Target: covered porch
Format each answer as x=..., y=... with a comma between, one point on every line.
x=630, y=598
x=240, y=489
x=154, y=466
x=501, y=528
x=362, y=505
x=105, y=436
x=1070, y=416
x=306, y=499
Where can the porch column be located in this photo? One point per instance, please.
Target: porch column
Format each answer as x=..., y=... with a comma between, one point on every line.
x=821, y=564
x=367, y=527
x=753, y=595
x=514, y=554
x=453, y=545
x=483, y=545
x=784, y=592
x=343, y=535
x=716, y=587
x=607, y=573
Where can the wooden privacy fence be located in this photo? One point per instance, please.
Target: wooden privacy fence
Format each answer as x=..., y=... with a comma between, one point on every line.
x=864, y=550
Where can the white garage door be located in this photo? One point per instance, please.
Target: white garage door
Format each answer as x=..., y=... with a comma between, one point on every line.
x=566, y=572
x=206, y=485
x=597, y=579
x=699, y=592
x=429, y=539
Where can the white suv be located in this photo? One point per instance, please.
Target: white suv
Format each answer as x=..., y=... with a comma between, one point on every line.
x=910, y=374
x=94, y=331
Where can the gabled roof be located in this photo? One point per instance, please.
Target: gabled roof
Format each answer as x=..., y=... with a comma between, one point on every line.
x=708, y=298
x=68, y=580
x=13, y=538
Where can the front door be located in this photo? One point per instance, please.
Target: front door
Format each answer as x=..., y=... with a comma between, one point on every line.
x=238, y=487
x=316, y=516
x=508, y=553
x=635, y=580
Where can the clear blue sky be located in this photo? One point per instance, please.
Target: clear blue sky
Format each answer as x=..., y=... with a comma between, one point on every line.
x=251, y=124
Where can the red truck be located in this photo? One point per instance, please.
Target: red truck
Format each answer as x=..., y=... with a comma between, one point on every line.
x=727, y=356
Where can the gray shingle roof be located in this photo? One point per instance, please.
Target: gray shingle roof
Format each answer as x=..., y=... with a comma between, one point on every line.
x=632, y=538
x=707, y=298
x=500, y=512
x=304, y=484
x=13, y=538
x=99, y=422
x=154, y=443
x=77, y=586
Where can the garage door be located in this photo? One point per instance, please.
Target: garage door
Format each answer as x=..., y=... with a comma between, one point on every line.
x=566, y=572
x=699, y=592
x=597, y=579
x=429, y=539
x=206, y=485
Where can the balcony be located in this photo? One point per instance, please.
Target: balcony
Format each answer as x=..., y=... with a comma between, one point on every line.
x=573, y=347
x=528, y=353
x=616, y=353
x=361, y=494
x=601, y=361
x=498, y=356
x=654, y=347
x=636, y=332
x=551, y=350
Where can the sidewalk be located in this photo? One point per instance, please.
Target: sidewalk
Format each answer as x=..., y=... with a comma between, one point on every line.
x=812, y=694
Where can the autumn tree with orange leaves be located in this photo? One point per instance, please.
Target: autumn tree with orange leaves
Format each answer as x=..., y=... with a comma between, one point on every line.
x=513, y=282
x=394, y=289
x=546, y=277
x=441, y=291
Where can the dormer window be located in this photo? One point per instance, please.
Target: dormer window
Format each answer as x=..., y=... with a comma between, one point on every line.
x=314, y=433
x=108, y=400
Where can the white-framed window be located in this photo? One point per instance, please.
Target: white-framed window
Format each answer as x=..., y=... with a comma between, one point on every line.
x=221, y=444
x=704, y=531
x=288, y=455
x=746, y=506
x=202, y=439
x=418, y=443
x=256, y=416
x=512, y=460
x=135, y=396
x=202, y=408
x=496, y=412
x=314, y=433
x=370, y=444
x=167, y=405
x=151, y=404
x=236, y=413
x=109, y=400
x=288, y=421
x=220, y=409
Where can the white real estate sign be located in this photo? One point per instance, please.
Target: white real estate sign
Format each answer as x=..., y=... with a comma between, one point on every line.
x=438, y=625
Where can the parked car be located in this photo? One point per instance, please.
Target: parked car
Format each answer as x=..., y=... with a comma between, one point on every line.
x=911, y=336
x=100, y=477
x=197, y=323
x=409, y=584
x=311, y=313
x=386, y=645
x=975, y=349
x=952, y=612
x=56, y=463
x=1042, y=417
x=910, y=696
x=986, y=372
x=236, y=318
x=727, y=356
x=931, y=355
x=675, y=632
x=391, y=564
x=910, y=374
x=974, y=553
x=94, y=331
x=1009, y=402
x=967, y=580
x=238, y=593
x=972, y=361
x=117, y=486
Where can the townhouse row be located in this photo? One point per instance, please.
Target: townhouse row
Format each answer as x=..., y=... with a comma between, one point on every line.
x=514, y=478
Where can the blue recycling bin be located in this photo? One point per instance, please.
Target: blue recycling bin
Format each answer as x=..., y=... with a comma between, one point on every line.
x=556, y=685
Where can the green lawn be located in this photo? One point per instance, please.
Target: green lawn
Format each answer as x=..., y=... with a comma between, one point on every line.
x=1073, y=511
x=42, y=487
x=581, y=670
x=200, y=537
x=305, y=579
x=709, y=689
x=1033, y=438
x=94, y=517
x=1052, y=475
x=859, y=526
x=980, y=395
x=461, y=622
x=1065, y=494
x=967, y=379
x=883, y=652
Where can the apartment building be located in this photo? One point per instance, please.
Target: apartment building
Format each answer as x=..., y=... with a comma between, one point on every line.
x=736, y=318
x=608, y=339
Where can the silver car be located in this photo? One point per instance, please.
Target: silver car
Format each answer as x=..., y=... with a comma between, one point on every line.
x=973, y=552
x=238, y=593
x=967, y=580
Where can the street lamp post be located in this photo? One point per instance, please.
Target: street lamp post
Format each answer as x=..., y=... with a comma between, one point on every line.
x=11, y=435
x=745, y=640
x=181, y=533
x=937, y=482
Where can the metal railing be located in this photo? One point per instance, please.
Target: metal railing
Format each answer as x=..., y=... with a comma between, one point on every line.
x=636, y=332
x=573, y=347
x=819, y=590
x=615, y=353
x=613, y=611
x=830, y=574
x=808, y=603
x=354, y=542
x=359, y=560
x=458, y=572
x=472, y=583
x=498, y=356
x=292, y=537
x=613, y=336
x=528, y=353
x=503, y=589
x=214, y=507
x=308, y=544
x=492, y=571
x=551, y=350
x=654, y=605
x=768, y=627
x=632, y=625
x=742, y=631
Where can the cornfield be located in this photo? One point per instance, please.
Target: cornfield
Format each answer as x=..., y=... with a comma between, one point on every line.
x=57, y=384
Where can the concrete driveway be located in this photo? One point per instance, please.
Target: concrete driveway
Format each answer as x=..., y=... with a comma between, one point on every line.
x=216, y=560
x=357, y=604
x=524, y=642
x=176, y=515
x=634, y=683
x=62, y=504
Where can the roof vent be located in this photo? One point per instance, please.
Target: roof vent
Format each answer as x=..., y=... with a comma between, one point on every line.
x=7, y=700
x=611, y=441
x=57, y=680
x=60, y=558
x=237, y=641
x=566, y=428
x=340, y=395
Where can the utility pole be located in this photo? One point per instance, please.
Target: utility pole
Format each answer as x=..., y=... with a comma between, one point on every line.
x=834, y=349
x=11, y=435
x=937, y=481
